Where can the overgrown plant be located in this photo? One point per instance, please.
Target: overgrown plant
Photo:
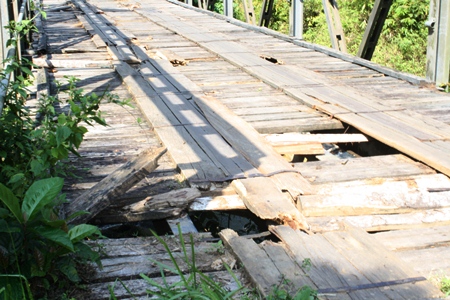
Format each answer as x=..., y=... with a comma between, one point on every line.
x=194, y=284
x=36, y=243
x=37, y=247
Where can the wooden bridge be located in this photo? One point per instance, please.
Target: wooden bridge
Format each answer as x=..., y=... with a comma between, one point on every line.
x=323, y=145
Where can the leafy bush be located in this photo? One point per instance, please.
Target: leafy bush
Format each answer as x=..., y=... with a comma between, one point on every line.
x=194, y=284
x=37, y=247
x=35, y=242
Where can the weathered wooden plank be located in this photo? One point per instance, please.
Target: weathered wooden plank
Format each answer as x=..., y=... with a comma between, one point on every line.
x=383, y=166
x=418, y=219
x=321, y=273
x=296, y=274
x=301, y=149
x=378, y=196
x=100, y=196
x=381, y=265
x=155, y=207
x=260, y=268
x=413, y=239
x=294, y=138
x=248, y=142
x=262, y=197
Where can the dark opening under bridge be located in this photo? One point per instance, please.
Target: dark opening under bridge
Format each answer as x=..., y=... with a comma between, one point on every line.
x=227, y=100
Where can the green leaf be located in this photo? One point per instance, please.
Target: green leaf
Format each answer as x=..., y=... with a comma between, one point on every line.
x=11, y=201
x=57, y=236
x=82, y=231
x=68, y=268
x=39, y=194
x=17, y=177
x=62, y=133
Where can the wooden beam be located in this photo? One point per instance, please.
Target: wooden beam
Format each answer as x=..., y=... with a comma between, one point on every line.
x=297, y=138
x=103, y=193
x=263, y=198
x=162, y=206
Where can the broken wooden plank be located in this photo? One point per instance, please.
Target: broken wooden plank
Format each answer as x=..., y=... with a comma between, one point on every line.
x=380, y=265
x=100, y=196
x=218, y=199
x=185, y=225
x=378, y=196
x=251, y=145
x=360, y=168
x=262, y=197
x=156, y=207
x=373, y=223
x=296, y=138
x=259, y=267
x=308, y=148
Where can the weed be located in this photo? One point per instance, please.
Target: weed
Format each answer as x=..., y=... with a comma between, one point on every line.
x=445, y=286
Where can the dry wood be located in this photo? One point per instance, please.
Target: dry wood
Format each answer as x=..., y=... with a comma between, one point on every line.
x=378, y=196
x=414, y=220
x=248, y=142
x=411, y=239
x=297, y=138
x=262, y=197
x=308, y=148
x=100, y=196
x=156, y=207
x=260, y=268
x=340, y=170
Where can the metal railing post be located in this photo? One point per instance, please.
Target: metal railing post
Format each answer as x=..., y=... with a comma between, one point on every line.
x=228, y=8
x=296, y=19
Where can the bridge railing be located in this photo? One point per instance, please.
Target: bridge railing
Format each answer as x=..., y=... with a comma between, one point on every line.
x=15, y=10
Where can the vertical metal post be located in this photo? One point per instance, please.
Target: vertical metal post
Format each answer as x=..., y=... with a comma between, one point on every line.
x=266, y=13
x=373, y=30
x=3, y=34
x=334, y=25
x=249, y=12
x=438, y=49
x=296, y=19
x=228, y=8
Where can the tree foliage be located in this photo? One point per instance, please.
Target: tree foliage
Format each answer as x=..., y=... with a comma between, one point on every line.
x=402, y=43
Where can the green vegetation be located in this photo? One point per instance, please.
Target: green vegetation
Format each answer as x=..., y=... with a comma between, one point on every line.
x=445, y=286
x=403, y=41
x=194, y=284
x=38, y=248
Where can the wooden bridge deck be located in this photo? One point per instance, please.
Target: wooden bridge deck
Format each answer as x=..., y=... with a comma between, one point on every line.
x=216, y=91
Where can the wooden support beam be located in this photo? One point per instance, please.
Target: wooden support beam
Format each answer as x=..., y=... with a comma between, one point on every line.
x=334, y=25
x=117, y=183
x=374, y=26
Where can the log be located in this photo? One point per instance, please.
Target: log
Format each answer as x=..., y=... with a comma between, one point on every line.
x=117, y=183
x=156, y=207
